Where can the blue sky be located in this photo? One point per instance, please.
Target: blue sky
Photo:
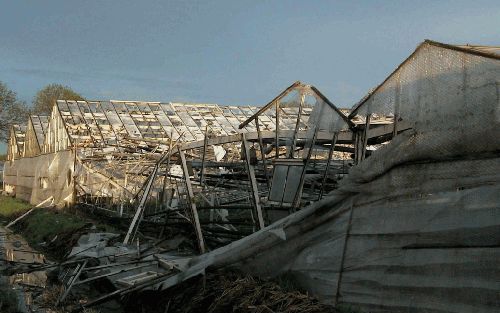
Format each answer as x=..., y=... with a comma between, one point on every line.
x=226, y=52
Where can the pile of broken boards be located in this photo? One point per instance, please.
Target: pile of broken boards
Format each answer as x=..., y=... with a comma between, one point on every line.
x=100, y=268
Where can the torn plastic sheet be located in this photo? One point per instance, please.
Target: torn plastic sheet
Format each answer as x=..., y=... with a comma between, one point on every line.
x=311, y=243
x=219, y=153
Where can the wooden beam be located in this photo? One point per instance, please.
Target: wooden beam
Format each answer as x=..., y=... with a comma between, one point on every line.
x=205, y=142
x=267, y=106
x=297, y=125
x=277, y=130
x=134, y=225
x=365, y=136
x=325, y=174
x=344, y=137
x=296, y=200
x=140, y=209
x=163, y=198
x=253, y=182
x=358, y=146
x=194, y=211
x=262, y=152
x=72, y=281
x=327, y=101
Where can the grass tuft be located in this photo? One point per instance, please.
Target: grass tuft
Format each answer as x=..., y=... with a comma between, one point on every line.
x=11, y=208
x=44, y=224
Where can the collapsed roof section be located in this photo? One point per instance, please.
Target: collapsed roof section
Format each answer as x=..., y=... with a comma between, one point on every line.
x=101, y=123
x=252, y=178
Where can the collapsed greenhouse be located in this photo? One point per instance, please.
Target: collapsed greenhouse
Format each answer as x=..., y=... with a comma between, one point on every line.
x=177, y=159
x=390, y=206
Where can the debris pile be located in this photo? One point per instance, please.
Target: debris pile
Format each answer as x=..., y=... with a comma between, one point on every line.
x=220, y=292
x=126, y=269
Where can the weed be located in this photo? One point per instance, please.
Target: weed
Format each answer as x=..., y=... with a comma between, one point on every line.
x=11, y=207
x=46, y=224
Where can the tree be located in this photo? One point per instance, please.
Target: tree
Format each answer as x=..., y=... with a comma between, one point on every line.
x=12, y=111
x=46, y=97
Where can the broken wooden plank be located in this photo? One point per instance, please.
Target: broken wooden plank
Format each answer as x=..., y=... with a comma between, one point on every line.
x=19, y=218
x=72, y=281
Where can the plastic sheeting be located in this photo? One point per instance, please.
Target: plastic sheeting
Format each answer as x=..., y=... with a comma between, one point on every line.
x=423, y=237
x=440, y=88
x=413, y=228
x=38, y=178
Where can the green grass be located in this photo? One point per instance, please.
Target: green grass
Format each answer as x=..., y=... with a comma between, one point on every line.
x=44, y=224
x=11, y=208
x=49, y=230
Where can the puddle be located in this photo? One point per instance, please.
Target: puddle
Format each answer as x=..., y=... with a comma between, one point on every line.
x=13, y=247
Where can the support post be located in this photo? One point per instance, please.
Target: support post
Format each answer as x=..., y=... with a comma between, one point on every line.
x=194, y=211
x=262, y=152
x=277, y=129
x=330, y=155
x=358, y=145
x=134, y=225
x=396, y=109
x=163, y=197
x=365, y=136
x=297, y=124
x=203, y=158
x=296, y=201
x=74, y=176
x=253, y=182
